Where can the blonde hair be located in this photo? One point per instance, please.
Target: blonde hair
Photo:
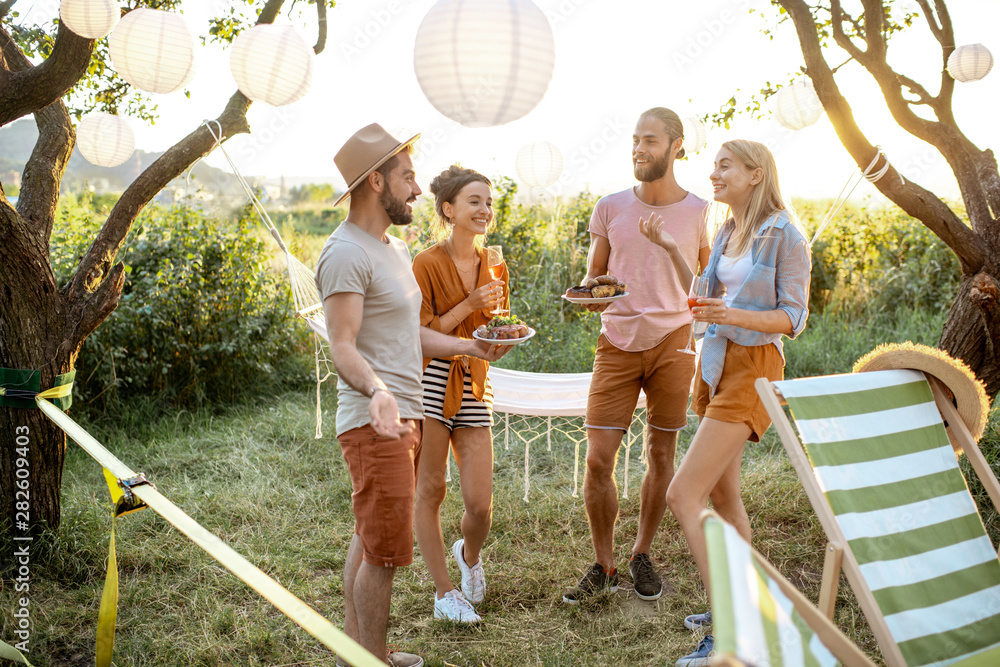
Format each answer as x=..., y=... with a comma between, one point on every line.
x=765, y=198
x=671, y=123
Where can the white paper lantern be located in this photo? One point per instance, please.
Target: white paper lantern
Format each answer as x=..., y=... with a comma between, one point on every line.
x=484, y=63
x=797, y=106
x=104, y=139
x=540, y=164
x=93, y=19
x=970, y=62
x=695, y=135
x=272, y=64
x=153, y=50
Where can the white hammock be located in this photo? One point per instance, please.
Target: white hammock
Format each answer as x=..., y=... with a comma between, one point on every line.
x=519, y=394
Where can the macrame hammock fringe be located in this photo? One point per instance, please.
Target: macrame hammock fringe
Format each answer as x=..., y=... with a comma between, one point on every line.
x=518, y=395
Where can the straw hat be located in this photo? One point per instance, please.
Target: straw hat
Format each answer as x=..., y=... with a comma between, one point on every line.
x=967, y=391
x=367, y=150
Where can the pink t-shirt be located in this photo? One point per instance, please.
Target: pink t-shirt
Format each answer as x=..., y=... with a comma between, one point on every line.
x=656, y=303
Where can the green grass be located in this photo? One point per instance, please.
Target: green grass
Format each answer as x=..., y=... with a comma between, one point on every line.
x=255, y=477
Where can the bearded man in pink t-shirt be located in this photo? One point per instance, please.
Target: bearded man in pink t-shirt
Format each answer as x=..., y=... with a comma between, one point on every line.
x=638, y=348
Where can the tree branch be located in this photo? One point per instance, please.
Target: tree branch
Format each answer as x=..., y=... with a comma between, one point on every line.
x=915, y=200
x=874, y=29
x=94, y=289
x=28, y=88
x=321, y=19
x=96, y=264
x=43, y=174
x=942, y=29
x=932, y=22
x=838, y=17
x=960, y=153
x=923, y=97
x=270, y=11
x=5, y=7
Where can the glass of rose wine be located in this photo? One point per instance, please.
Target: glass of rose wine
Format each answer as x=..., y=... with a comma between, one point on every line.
x=494, y=260
x=699, y=289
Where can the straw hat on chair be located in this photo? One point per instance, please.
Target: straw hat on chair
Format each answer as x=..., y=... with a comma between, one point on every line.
x=966, y=390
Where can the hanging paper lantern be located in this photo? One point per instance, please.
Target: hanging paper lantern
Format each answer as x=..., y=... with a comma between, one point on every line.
x=153, y=50
x=540, y=164
x=104, y=139
x=93, y=19
x=796, y=106
x=695, y=135
x=272, y=64
x=970, y=62
x=484, y=63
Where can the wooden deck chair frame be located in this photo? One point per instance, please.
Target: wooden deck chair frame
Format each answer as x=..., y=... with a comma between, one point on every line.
x=836, y=557
x=836, y=641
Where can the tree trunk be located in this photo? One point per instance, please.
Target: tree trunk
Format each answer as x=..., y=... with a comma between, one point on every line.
x=32, y=330
x=972, y=331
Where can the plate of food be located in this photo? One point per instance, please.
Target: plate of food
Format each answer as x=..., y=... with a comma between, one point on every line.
x=504, y=331
x=602, y=289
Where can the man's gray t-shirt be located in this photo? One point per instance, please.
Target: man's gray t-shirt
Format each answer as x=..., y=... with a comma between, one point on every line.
x=389, y=339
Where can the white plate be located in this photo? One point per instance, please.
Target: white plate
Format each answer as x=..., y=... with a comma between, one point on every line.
x=592, y=299
x=508, y=341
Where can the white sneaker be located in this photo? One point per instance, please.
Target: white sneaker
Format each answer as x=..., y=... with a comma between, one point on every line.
x=473, y=578
x=454, y=607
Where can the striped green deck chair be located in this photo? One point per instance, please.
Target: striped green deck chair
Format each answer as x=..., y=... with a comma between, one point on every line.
x=758, y=617
x=883, y=478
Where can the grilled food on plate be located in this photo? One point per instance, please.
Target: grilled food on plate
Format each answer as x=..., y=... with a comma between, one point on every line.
x=597, y=288
x=503, y=328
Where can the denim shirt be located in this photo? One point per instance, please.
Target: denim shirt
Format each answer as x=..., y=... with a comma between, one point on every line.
x=779, y=279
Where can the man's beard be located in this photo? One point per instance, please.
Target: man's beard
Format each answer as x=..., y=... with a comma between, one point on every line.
x=395, y=209
x=652, y=171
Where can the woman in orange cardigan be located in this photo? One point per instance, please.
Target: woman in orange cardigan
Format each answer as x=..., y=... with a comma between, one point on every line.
x=458, y=293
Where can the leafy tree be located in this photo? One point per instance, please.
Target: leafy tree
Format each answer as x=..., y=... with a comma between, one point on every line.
x=43, y=324
x=859, y=33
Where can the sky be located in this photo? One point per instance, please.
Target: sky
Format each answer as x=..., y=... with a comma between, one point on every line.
x=614, y=59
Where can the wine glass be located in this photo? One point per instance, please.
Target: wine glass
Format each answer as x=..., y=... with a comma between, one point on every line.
x=699, y=289
x=494, y=260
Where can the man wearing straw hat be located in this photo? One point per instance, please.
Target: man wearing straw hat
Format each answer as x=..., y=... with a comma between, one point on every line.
x=372, y=305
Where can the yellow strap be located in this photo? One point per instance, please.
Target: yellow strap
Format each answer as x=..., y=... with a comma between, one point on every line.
x=113, y=488
x=109, y=607
x=297, y=610
x=62, y=391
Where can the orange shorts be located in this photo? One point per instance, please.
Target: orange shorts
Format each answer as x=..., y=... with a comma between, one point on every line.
x=736, y=400
x=662, y=372
x=383, y=476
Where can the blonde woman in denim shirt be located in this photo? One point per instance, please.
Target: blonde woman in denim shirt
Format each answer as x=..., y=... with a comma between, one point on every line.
x=758, y=276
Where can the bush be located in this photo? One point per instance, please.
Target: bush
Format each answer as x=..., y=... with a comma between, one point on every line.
x=872, y=261
x=201, y=317
x=878, y=276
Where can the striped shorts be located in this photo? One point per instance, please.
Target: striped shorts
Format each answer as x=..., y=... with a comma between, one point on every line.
x=473, y=413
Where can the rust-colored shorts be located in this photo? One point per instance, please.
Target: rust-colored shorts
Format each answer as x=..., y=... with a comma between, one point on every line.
x=662, y=372
x=736, y=400
x=383, y=476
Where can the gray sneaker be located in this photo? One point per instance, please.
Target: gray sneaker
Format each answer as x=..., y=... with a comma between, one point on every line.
x=595, y=581
x=698, y=621
x=645, y=580
x=400, y=659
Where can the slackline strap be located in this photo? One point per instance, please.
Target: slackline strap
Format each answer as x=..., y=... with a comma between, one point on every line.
x=312, y=622
x=19, y=388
